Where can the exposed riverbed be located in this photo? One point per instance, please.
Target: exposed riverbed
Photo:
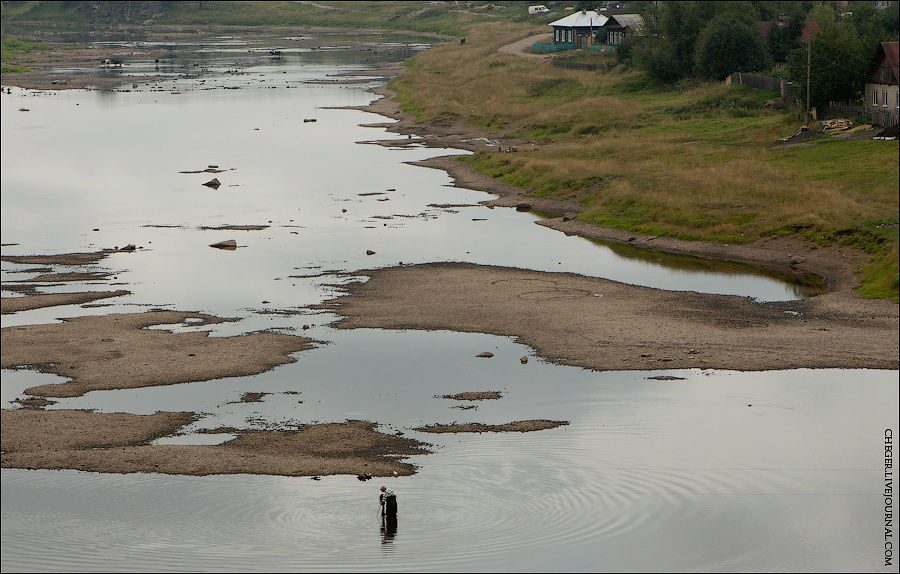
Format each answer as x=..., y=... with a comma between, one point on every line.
x=702, y=470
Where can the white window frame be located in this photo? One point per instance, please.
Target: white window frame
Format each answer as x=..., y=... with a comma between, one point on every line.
x=874, y=97
x=884, y=99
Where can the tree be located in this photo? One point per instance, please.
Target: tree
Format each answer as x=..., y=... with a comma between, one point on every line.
x=838, y=64
x=666, y=45
x=731, y=42
x=784, y=39
x=823, y=14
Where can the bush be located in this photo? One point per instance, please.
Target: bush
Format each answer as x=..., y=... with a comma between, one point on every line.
x=730, y=43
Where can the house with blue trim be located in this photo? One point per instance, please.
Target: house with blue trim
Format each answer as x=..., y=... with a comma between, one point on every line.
x=577, y=30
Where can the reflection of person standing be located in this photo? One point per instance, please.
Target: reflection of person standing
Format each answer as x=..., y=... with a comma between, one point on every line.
x=388, y=501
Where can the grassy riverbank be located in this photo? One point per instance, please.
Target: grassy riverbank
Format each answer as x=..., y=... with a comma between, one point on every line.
x=12, y=48
x=694, y=161
x=413, y=16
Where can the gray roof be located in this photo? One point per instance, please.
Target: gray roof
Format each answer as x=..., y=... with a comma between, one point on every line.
x=627, y=20
x=581, y=20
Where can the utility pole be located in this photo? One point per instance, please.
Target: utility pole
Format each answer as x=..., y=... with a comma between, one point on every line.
x=808, y=50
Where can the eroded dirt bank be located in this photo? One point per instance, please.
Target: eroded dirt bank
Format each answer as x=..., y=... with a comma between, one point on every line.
x=605, y=325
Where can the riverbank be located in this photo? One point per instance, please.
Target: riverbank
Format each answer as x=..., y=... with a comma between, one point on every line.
x=836, y=265
x=567, y=318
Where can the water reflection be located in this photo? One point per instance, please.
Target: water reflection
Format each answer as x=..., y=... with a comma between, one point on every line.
x=649, y=475
x=805, y=284
x=388, y=529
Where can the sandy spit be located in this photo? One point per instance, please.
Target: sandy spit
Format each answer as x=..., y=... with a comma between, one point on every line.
x=604, y=325
x=515, y=426
x=37, y=301
x=117, y=442
x=473, y=396
x=118, y=352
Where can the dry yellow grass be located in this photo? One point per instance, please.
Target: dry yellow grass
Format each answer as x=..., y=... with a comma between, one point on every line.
x=697, y=162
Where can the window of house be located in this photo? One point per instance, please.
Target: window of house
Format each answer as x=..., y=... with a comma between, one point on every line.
x=884, y=98
x=874, y=97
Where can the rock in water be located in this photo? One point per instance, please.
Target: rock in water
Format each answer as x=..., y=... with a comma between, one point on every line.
x=213, y=183
x=229, y=244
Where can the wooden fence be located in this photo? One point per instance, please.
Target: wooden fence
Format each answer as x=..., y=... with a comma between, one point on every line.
x=544, y=48
x=779, y=85
x=884, y=117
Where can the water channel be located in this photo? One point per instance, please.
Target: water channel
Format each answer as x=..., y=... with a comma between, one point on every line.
x=719, y=471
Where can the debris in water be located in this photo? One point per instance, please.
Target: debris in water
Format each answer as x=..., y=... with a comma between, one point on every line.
x=229, y=244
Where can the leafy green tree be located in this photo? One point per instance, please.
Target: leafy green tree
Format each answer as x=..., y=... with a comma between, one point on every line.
x=783, y=39
x=665, y=49
x=838, y=64
x=875, y=25
x=823, y=14
x=666, y=46
x=731, y=42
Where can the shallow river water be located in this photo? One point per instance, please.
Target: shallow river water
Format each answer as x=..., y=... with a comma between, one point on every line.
x=720, y=471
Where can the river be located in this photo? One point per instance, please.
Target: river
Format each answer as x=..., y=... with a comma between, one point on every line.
x=722, y=470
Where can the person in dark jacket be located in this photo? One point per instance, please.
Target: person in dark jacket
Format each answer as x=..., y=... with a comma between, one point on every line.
x=388, y=501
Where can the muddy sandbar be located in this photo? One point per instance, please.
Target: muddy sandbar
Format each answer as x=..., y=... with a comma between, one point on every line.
x=605, y=325
x=473, y=396
x=118, y=442
x=118, y=352
x=515, y=426
x=38, y=301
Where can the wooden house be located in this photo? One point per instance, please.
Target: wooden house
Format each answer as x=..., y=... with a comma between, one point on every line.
x=619, y=25
x=882, y=92
x=578, y=28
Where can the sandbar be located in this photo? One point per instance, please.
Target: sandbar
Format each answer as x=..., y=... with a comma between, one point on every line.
x=119, y=352
x=605, y=325
x=119, y=442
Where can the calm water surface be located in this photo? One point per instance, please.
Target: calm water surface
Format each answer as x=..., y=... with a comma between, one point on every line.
x=719, y=471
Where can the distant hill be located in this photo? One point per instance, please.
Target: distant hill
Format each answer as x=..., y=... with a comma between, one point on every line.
x=128, y=12
x=441, y=17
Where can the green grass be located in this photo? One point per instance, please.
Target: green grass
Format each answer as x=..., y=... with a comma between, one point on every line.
x=410, y=16
x=11, y=48
x=695, y=161
x=878, y=279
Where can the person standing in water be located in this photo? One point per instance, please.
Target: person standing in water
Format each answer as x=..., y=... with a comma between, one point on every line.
x=388, y=501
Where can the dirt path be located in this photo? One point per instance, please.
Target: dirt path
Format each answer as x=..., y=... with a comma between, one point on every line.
x=518, y=48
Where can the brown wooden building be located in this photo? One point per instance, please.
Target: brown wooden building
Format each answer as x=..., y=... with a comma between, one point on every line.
x=882, y=88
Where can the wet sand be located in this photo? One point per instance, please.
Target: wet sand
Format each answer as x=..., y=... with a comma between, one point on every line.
x=39, y=301
x=118, y=442
x=515, y=426
x=473, y=396
x=604, y=325
x=119, y=352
